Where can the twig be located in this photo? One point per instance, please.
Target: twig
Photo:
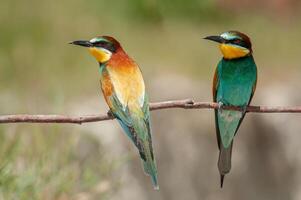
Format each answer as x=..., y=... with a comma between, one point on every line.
x=185, y=104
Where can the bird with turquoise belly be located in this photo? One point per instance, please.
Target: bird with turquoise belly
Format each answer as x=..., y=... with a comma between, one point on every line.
x=234, y=84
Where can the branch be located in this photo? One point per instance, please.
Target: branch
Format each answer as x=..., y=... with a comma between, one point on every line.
x=185, y=104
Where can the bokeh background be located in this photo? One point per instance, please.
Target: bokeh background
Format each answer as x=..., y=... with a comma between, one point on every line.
x=41, y=74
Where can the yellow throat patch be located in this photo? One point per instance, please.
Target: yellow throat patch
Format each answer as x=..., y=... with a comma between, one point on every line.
x=232, y=52
x=101, y=55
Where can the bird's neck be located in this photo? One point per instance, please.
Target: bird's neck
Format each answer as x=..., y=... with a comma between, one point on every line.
x=239, y=62
x=102, y=65
x=120, y=58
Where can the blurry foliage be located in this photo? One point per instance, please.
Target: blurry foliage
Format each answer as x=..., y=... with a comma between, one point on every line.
x=154, y=11
x=37, y=164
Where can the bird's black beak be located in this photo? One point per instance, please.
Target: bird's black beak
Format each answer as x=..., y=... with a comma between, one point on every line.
x=215, y=38
x=82, y=43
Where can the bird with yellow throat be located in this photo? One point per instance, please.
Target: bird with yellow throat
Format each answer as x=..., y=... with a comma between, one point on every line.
x=234, y=84
x=123, y=88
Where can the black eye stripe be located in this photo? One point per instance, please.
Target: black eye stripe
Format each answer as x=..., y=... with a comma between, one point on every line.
x=234, y=41
x=238, y=42
x=105, y=45
x=99, y=44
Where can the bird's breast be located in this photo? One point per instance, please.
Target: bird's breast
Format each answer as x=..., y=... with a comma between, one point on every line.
x=128, y=83
x=237, y=79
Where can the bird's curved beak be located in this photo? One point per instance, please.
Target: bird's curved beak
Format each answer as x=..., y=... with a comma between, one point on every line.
x=83, y=43
x=215, y=38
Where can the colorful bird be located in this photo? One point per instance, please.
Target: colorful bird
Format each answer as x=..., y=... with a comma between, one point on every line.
x=234, y=84
x=124, y=91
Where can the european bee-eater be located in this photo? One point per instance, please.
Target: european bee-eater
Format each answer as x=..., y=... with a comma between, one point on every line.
x=124, y=91
x=234, y=84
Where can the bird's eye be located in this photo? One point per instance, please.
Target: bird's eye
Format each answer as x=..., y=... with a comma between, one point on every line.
x=100, y=44
x=236, y=41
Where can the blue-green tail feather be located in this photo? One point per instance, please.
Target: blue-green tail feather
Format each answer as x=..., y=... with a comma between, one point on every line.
x=151, y=170
x=139, y=133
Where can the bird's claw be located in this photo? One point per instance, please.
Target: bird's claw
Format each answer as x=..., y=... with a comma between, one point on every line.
x=110, y=114
x=244, y=110
x=220, y=107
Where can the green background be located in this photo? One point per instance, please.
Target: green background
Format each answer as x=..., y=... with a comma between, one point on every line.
x=41, y=74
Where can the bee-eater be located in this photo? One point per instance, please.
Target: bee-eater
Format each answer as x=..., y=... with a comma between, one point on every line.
x=234, y=84
x=124, y=91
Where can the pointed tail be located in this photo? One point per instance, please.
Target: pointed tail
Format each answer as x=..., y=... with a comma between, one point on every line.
x=224, y=162
x=150, y=169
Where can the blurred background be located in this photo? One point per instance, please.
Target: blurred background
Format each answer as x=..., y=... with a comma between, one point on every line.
x=41, y=74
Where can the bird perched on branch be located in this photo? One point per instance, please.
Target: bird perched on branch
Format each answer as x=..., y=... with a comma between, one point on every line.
x=234, y=84
x=124, y=91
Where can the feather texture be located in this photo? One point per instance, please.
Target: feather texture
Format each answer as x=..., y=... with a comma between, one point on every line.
x=234, y=84
x=124, y=91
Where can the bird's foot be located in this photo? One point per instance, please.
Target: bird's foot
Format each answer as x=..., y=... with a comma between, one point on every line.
x=220, y=107
x=244, y=110
x=110, y=114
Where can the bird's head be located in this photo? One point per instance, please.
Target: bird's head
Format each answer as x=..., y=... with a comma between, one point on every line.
x=233, y=44
x=102, y=48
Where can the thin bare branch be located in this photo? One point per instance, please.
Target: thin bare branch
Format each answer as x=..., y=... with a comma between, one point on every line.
x=185, y=104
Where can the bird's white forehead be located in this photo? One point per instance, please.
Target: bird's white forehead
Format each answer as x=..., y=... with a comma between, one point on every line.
x=93, y=40
x=229, y=36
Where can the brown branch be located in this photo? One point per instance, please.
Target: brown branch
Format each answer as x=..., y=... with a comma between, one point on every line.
x=185, y=104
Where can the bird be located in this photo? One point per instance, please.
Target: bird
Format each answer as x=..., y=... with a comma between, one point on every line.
x=123, y=88
x=234, y=84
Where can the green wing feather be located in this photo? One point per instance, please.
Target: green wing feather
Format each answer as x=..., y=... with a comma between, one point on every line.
x=136, y=124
